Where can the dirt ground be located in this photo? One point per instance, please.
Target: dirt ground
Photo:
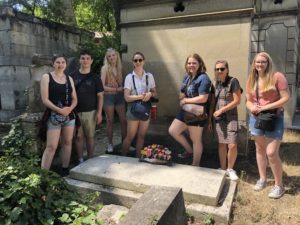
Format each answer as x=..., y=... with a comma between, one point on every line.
x=252, y=207
x=255, y=208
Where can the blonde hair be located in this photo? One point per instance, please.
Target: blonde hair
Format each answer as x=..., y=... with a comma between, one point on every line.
x=268, y=73
x=108, y=67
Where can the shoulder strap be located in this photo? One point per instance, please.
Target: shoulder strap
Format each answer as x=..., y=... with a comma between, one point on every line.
x=256, y=90
x=133, y=81
x=132, y=76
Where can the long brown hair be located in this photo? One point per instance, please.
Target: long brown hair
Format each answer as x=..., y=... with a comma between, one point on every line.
x=202, y=67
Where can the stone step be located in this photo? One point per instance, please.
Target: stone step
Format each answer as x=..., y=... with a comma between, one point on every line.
x=199, y=185
x=296, y=121
x=111, y=195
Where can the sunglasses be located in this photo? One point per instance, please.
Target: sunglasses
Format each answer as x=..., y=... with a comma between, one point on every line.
x=220, y=69
x=138, y=60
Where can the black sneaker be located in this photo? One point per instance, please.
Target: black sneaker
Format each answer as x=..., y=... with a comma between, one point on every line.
x=64, y=172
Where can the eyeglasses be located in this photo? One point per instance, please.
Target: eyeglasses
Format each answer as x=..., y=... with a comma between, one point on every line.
x=220, y=69
x=138, y=60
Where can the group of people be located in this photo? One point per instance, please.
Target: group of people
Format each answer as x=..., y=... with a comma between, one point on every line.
x=84, y=94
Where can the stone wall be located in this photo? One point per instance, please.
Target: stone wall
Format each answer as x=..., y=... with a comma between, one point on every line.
x=22, y=36
x=275, y=29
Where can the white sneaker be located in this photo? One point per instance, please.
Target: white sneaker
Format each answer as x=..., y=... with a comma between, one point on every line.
x=80, y=161
x=131, y=148
x=260, y=184
x=276, y=192
x=232, y=174
x=110, y=148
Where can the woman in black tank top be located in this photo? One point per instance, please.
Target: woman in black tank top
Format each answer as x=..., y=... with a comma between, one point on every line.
x=59, y=96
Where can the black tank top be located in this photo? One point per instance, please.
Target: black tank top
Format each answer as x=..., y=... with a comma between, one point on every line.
x=57, y=92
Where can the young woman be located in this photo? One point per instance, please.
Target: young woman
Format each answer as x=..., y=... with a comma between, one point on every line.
x=227, y=98
x=273, y=93
x=111, y=75
x=143, y=90
x=59, y=96
x=195, y=89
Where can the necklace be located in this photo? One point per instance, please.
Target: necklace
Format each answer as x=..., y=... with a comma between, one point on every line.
x=60, y=78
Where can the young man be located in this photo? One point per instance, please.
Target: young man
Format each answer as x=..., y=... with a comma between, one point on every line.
x=89, y=90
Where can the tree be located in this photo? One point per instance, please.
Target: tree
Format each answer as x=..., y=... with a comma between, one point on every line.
x=49, y=9
x=93, y=15
x=96, y=15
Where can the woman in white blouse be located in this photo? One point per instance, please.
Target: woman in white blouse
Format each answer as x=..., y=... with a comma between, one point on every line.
x=143, y=90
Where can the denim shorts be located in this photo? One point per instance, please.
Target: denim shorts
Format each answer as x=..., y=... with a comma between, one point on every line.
x=276, y=134
x=113, y=99
x=51, y=126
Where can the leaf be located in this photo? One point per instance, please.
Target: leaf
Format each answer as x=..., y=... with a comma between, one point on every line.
x=15, y=213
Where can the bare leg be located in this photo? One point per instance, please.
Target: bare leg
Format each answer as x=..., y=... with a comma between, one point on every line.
x=120, y=109
x=232, y=155
x=51, y=146
x=142, y=130
x=274, y=160
x=79, y=143
x=67, y=134
x=90, y=146
x=132, y=127
x=222, y=155
x=175, y=130
x=196, y=137
x=109, y=112
x=261, y=156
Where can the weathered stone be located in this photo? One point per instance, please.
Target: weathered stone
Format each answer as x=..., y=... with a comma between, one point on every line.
x=21, y=37
x=159, y=205
x=112, y=214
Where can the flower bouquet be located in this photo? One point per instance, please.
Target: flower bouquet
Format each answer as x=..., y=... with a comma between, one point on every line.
x=156, y=154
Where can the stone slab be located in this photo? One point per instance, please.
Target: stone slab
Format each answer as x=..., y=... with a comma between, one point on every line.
x=109, y=195
x=199, y=185
x=159, y=205
x=221, y=213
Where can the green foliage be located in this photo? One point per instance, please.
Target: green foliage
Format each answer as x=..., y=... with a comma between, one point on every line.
x=49, y=9
x=153, y=220
x=96, y=15
x=29, y=195
x=98, y=50
x=16, y=140
x=190, y=217
x=208, y=220
x=243, y=175
x=93, y=15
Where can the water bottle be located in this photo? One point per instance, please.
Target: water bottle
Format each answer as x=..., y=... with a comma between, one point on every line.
x=154, y=112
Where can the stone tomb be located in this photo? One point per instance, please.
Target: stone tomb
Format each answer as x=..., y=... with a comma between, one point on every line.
x=205, y=191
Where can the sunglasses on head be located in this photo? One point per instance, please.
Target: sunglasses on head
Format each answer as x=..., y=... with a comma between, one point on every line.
x=220, y=69
x=138, y=60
